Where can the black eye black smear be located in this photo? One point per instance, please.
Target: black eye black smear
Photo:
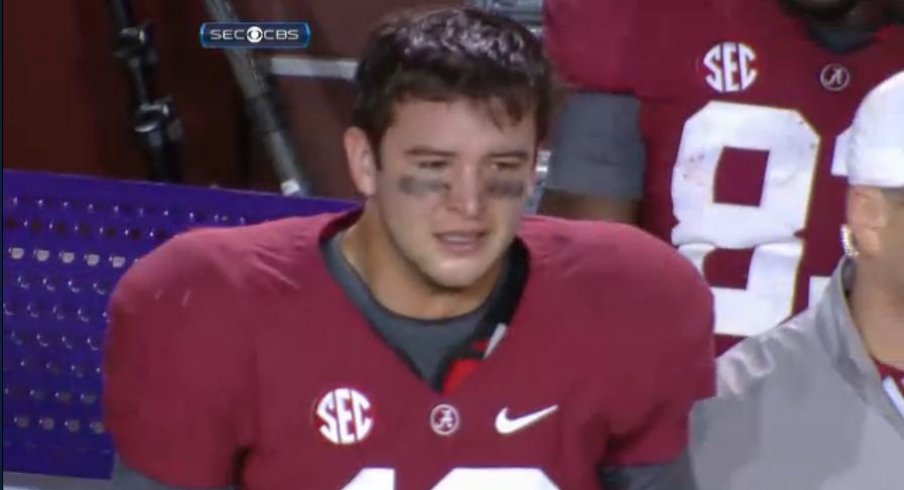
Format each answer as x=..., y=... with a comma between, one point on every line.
x=422, y=186
x=494, y=188
x=506, y=189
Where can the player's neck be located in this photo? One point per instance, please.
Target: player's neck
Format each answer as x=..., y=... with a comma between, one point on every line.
x=879, y=315
x=397, y=286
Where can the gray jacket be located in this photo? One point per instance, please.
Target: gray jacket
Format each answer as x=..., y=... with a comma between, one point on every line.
x=801, y=407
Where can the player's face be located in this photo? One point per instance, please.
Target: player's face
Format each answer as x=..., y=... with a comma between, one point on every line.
x=893, y=239
x=452, y=186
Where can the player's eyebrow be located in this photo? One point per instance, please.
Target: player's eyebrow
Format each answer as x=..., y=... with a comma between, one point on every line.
x=517, y=154
x=419, y=151
x=422, y=151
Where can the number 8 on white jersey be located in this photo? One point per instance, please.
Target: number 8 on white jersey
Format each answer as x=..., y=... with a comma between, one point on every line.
x=769, y=229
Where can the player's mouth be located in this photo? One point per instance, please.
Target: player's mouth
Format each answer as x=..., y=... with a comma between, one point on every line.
x=461, y=242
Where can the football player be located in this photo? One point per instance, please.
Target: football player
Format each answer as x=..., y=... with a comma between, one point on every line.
x=430, y=340
x=817, y=402
x=719, y=125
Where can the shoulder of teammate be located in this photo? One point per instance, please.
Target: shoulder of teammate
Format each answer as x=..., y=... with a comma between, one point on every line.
x=588, y=41
x=663, y=312
x=179, y=360
x=614, y=45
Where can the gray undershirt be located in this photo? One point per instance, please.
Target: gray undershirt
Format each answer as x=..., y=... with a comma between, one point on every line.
x=426, y=344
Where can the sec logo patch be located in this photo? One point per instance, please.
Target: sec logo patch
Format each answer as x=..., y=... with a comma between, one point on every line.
x=344, y=416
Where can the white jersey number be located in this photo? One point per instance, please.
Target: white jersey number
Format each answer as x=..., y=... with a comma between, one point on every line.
x=461, y=479
x=705, y=225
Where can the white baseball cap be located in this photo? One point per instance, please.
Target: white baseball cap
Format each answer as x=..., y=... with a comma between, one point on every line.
x=876, y=146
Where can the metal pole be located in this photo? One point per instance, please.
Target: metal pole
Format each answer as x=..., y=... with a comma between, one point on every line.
x=154, y=119
x=262, y=108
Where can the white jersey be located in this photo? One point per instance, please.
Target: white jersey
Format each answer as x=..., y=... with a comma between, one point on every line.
x=801, y=407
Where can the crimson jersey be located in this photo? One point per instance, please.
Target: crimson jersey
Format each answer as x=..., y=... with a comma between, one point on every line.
x=896, y=375
x=234, y=352
x=745, y=119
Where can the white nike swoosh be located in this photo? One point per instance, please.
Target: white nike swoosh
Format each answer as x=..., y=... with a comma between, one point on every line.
x=505, y=425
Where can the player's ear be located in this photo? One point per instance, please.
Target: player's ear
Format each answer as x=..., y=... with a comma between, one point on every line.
x=867, y=217
x=362, y=162
x=539, y=160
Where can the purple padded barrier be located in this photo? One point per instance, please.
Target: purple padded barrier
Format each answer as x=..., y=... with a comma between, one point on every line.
x=66, y=241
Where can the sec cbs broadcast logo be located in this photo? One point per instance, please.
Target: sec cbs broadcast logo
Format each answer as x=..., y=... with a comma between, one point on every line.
x=256, y=35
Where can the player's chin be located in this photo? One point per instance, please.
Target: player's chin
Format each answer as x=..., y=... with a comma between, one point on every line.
x=459, y=272
x=460, y=263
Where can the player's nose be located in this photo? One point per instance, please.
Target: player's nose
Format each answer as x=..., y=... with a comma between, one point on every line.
x=466, y=194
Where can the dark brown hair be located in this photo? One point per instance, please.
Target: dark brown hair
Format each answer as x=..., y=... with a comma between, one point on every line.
x=450, y=53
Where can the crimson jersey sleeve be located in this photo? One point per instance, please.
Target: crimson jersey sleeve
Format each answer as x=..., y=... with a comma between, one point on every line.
x=590, y=42
x=671, y=352
x=596, y=143
x=178, y=369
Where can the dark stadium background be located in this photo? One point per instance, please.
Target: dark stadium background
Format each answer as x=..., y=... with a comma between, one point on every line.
x=67, y=101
